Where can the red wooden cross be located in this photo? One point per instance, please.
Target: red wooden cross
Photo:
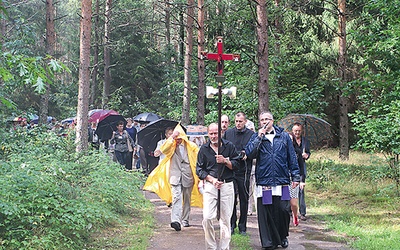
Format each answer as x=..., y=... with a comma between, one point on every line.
x=220, y=57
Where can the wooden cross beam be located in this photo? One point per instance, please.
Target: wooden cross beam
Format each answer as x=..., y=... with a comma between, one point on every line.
x=220, y=57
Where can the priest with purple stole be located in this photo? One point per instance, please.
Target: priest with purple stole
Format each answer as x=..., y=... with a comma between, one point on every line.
x=276, y=169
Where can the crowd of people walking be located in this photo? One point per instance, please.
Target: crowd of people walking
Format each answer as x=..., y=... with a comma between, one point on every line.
x=242, y=172
x=267, y=166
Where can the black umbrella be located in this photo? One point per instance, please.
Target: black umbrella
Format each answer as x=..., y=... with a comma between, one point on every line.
x=153, y=132
x=317, y=130
x=146, y=117
x=107, y=125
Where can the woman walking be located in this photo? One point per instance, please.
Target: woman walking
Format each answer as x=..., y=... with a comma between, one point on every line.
x=124, y=145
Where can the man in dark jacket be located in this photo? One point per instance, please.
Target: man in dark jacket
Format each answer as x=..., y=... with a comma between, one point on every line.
x=276, y=167
x=240, y=136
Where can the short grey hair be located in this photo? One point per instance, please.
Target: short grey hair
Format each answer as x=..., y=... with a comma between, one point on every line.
x=267, y=112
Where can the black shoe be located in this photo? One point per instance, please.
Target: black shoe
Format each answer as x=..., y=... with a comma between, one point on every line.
x=270, y=248
x=232, y=230
x=285, y=243
x=185, y=223
x=175, y=225
x=243, y=233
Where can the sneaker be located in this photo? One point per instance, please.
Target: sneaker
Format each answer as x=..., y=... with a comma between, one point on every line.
x=185, y=223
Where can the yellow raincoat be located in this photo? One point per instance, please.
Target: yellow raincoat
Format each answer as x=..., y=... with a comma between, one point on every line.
x=158, y=180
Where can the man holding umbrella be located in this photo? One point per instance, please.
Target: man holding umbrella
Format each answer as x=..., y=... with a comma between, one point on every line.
x=218, y=172
x=302, y=148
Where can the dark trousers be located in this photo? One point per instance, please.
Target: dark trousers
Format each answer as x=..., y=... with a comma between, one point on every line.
x=273, y=221
x=129, y=159
x=148, y=162
x=143, y=160
x=302, y=202
x=152, y=162
x=121, y=157
x=242, y=184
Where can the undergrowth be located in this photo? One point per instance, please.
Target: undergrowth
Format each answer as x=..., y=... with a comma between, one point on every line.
x=54, y=198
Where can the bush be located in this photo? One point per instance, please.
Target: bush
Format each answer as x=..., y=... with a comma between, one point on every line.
x=333, y=176
x=53, y=198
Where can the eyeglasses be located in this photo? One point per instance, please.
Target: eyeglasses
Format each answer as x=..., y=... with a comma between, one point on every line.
x=266, y=119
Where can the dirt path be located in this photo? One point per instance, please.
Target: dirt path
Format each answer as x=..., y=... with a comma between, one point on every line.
x=307, y=235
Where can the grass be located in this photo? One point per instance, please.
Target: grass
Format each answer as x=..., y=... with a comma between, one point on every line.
x=132, y=232
x=240, y=242
x=355, y=157
x=355, y=198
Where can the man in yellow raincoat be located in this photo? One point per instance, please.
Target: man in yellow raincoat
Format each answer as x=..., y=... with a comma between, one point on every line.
x=174, y=178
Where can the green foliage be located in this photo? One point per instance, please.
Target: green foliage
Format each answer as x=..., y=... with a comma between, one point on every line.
x=356, y=201
x=328, y=175
x=21, y=74
x=27, y=73
x=53, y=198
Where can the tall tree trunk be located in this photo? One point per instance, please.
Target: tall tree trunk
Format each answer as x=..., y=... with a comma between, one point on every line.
x=187, y=81
x=168, y=32
x=84, y=77
x=3, y=24
x=95, y=71
x=181, y=37
x=342, y=73
x=50, y=46
x=200, y=63
x=277, y=35
x=262, y=56
x=107, y=54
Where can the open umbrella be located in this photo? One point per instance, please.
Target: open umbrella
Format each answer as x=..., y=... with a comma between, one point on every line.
x=146, y=117
x=68, y=120
x=36, y=119
x=17, y=119
x=101, y=114
x=196, y=130
x=107, y=123
x=153, y=132
x=90, y=113
x=317, y=130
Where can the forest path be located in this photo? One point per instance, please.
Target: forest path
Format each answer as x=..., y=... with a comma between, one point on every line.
x=308, y=235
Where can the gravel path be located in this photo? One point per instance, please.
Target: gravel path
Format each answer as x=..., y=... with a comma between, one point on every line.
x=307, y=235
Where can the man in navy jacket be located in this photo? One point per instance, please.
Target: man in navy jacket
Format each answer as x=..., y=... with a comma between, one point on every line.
x=276, y=167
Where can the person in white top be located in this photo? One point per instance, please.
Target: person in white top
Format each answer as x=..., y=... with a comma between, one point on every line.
x=157, y=152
